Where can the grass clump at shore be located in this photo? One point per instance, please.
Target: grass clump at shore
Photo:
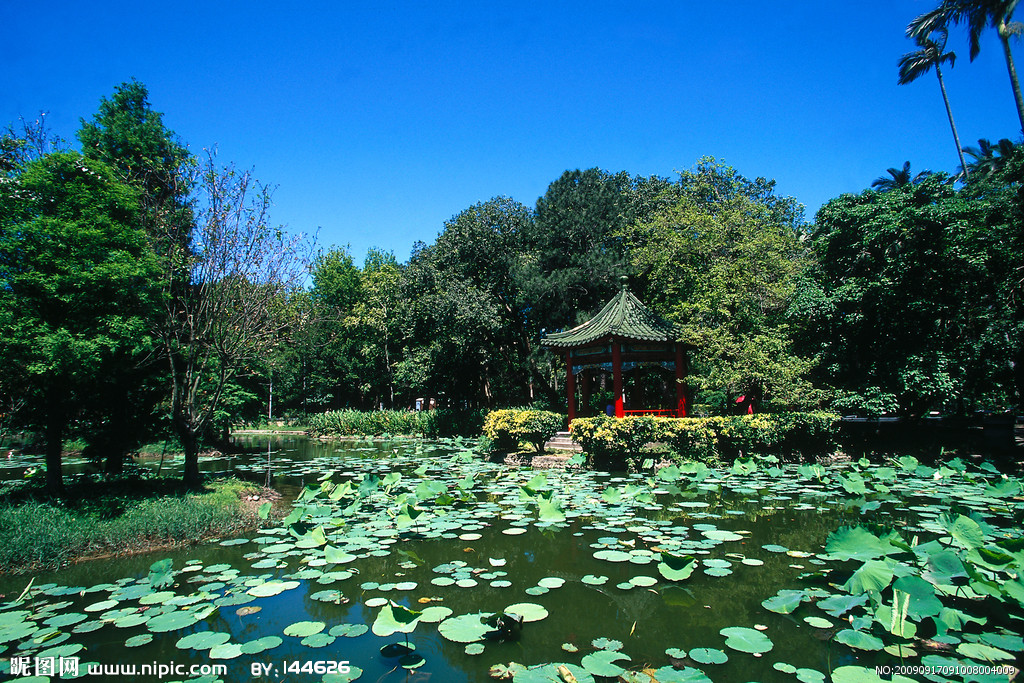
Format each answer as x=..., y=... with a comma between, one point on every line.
x=116, y=519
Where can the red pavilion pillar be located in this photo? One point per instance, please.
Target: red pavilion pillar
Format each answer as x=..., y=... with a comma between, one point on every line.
x=682, y=409
x=570, y=386
x=620, y=408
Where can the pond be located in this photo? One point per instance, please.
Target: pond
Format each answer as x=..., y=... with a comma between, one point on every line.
x=757, y=572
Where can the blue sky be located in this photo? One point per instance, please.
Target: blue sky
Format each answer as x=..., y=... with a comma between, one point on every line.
x=377, y=122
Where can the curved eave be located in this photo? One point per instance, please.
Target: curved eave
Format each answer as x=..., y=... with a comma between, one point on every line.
x=624, y=318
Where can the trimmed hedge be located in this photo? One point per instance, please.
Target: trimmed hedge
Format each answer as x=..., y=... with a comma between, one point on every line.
x=430, y=423
x=507, y=427
x=710, y=438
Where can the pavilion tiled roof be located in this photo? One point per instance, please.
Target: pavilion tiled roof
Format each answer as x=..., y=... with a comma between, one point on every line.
x=625, y=317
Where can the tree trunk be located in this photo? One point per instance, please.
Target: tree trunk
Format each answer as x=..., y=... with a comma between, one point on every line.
x=190, y=444
x=949, y=113
x=54, y=444
x=1018, y=98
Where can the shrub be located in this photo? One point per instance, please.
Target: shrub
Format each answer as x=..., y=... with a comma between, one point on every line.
x=499, y=426
x=614, y=438
x=709, y=438
x=507, y=427
x=366, y=423
x=691, y=438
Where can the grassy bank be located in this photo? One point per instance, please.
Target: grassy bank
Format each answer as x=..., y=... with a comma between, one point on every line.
x=117, y=518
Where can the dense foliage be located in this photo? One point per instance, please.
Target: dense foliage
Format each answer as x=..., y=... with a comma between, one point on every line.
x=145, y=292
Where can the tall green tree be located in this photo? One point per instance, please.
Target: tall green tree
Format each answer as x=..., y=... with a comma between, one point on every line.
x=329, y=343
x=130, y=136
x=465, y=331
x=978, y=15
x=989, y=159
x=930, y=54
x=377, y=317
x=76, y=276
x=721, y=261
x=576, y=250
x=907, y=315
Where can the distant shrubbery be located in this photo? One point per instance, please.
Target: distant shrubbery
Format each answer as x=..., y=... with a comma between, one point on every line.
x=430, y=423
x=710, y=438
x=506, y=428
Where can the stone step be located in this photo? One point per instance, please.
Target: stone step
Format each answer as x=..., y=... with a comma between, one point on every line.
x=563, y=442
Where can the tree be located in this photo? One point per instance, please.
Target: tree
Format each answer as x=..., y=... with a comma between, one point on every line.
x=131, y=137
x=575, y=243
x=721, y=262
x=229, y=310
x=76, y=276
x=127, y=134
x=377, y=316
x=465, y=330
x=915, y=64
x=989, y=159
x=907, y=316
x=329, y=344
x=898, y=177
x=977, y=15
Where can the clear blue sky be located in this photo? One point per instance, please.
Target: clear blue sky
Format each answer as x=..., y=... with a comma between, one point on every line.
x=377, y=122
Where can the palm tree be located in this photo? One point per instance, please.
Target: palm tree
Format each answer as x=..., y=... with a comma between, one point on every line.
x=899, y=177
x=989, y=158
x=977, y=14
x=913, y=65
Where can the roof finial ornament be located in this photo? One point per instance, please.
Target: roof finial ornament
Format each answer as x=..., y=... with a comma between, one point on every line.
x=624, y=281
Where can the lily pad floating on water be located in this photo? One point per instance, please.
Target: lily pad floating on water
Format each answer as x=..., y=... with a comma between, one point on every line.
x=302, y=629
x=676, y=567
x=203, y=640
x=349, y=630
x=141, y=639
x=859, y=640
x=528, y=611
x=547, y=673
x=271, y=588
x=226, y=651
x=603, y=663
x=708, y=655
x=259, y=645
x=465, y=628
x=746, y=639
x=170, y=621
x=592, y=580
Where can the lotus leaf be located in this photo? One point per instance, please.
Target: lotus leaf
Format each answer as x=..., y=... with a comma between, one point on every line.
x=395, y=618
x=270, y=588
x=465, y=628
x=260, y=645
x=707, y=655
x=859, y=640
x=746, y=639
x=528, y=611
x=676, y=567
x=602, y=663
x=301, y=629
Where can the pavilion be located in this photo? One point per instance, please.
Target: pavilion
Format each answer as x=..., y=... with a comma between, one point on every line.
x=624, y=336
